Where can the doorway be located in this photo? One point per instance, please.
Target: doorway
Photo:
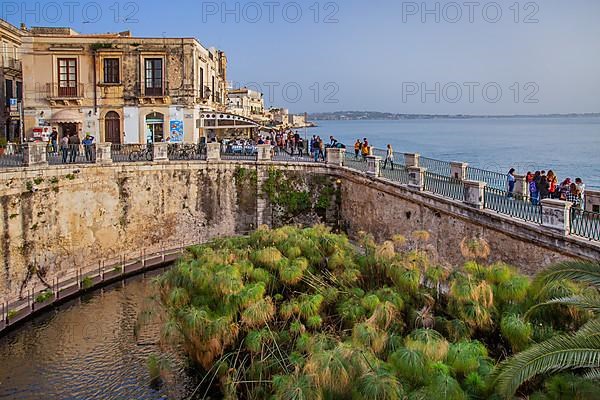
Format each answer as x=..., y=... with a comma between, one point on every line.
x=112, y=128
x=155, y=132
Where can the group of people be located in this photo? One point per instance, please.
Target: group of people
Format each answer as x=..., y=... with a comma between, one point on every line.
x=70, y=144
x=289, y=141
x=362, y=149
x=544, y=185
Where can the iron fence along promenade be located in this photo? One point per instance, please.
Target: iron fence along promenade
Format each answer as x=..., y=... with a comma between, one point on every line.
x=445, y=186
x=585, y=224
x=513, y=205
x=493, y=179
x=437, y=175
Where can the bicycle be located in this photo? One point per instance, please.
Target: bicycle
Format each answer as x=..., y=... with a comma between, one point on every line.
x=142, y=154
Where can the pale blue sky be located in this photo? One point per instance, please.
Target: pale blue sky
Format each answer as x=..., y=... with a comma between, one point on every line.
x=377, y=55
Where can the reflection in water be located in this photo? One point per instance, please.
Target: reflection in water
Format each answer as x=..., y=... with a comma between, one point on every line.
x=87, y=350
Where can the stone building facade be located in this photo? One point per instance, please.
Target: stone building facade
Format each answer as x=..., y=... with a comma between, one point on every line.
x=11, y=82
x=120, y=88
x=246, y=102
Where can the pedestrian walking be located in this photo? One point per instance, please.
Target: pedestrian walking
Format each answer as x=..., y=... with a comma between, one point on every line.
x=511, y=181
x=365, y=149
x=389, y=157
x=322, y=149
x=64, y=148
x=357, y=148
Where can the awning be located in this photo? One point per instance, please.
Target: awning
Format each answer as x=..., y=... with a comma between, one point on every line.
x=66, y=116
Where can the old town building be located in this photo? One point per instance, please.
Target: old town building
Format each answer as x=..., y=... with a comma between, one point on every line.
x=246, y=102
x=120, y=88
x=11, y=82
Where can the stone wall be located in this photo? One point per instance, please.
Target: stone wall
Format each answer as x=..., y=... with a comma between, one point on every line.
x=53, y=220
x=56, y=219
x=385, y=209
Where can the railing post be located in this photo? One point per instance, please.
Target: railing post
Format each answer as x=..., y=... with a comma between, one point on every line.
x=264, y=152
x=104, y=153
x=374, y=166
x=521, y=185
x=411, y=159
x=458, y=170
x=336, y=156
x=556, y=214
x=213, y=152
x=160, y=152
x=475, y=194
x=34, y=154
x=591, y=200
x=416, y=178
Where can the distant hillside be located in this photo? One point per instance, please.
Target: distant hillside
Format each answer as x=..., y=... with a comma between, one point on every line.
x=375, y=115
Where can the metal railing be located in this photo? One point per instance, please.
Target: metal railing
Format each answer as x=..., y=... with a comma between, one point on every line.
x=398, y=174
x=285, y=155
x=183, y=151
x=437, y=167
x=513, y=205
x=445, y=186
x=239, y=152
x=11, y=156
x=585, y=224
x=493, y=179
x=56, y=91
x=357, y=163
x=131, y=152
x=71, y=154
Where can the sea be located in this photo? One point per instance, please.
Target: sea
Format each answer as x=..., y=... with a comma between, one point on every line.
x=570, y=146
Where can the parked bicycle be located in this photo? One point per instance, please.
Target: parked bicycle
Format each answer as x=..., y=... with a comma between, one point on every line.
x=145, y=153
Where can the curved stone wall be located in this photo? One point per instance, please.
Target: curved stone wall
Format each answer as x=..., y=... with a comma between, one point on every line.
x=57, y=219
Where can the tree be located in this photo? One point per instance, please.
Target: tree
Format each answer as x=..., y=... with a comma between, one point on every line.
x=575, y=351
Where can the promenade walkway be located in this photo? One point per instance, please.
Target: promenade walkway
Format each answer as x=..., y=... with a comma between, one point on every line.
x=450, y=180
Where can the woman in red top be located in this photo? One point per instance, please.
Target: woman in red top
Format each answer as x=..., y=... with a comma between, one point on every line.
x=553, y=184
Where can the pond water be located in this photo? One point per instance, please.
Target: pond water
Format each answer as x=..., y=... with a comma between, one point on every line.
x=87, y=349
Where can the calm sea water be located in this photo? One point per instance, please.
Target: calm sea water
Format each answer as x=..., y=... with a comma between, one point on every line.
x=569, y=146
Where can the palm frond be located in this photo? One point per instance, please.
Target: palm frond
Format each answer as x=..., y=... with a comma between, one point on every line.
x=589, y=302
x=578, y=271
x=593, y=375
x=560, y=353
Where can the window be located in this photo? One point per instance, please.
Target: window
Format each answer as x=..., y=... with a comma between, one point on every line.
x=19, y=91
x=8, y=90
x=201, y=83
x=213, y=89
x=67, y=77
x=111, y=70
x=154, y=77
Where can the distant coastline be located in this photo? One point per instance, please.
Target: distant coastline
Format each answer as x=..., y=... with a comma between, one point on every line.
x=374, y=115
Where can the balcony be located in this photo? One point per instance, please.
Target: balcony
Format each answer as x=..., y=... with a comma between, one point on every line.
x=58, y=95
x=14, y=64
x=159, y=94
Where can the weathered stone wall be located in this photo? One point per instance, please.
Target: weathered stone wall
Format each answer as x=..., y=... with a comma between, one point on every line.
x=384, y=209
x=56, y=219
x=53, y=220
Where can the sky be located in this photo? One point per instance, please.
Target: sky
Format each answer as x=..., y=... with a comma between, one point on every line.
x=424, y=57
